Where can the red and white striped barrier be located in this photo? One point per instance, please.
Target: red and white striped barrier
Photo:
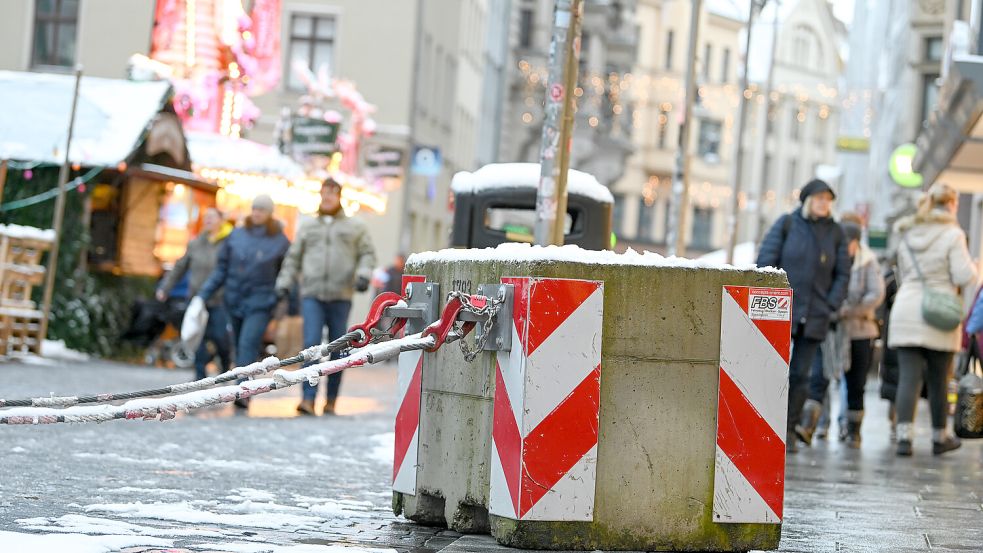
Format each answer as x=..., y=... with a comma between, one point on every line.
x=547, y=398
x=409, y=377
x=752, y=405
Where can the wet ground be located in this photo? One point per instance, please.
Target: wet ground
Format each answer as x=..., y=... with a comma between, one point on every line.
x=266, y=480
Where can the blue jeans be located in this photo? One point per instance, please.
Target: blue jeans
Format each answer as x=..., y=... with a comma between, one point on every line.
x=249, y=330
x=219, y=333
x=316, y=314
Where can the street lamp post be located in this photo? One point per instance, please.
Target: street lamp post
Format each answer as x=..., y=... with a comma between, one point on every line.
x=736, y=178
x=675, y=233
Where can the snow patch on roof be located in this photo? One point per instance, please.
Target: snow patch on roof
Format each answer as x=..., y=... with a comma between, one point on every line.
x=111, y=117
x=569, y=254
x=216, y=151
x=526, y=175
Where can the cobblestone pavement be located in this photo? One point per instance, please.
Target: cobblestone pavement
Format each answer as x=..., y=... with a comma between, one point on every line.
x=270, y=481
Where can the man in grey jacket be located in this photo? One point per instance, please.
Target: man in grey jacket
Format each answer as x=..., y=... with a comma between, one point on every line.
x=199, y=260
x=333, y=257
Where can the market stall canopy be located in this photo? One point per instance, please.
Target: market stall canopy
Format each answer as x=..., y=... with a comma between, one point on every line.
x=216, y=151
x=950, y=147
x=112, y=118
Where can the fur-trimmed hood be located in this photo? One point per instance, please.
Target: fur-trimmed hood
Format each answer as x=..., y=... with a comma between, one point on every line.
x=922, y=231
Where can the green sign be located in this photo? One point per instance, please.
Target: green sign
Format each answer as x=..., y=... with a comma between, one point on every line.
x=852, y=144
x=313, y=136
x=900, y=167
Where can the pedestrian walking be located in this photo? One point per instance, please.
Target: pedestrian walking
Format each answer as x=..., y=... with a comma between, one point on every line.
x=857, y=321
x=333, y=256
x=198, y=262
x=247, y=265
x=390, y=279
x=933, y=264
x=889, y=370
x=809, y=245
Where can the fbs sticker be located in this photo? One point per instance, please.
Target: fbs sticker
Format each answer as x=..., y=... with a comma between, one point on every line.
x=770, y=304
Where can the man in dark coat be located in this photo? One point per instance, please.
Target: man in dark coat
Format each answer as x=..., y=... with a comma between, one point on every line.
x=247, y=266
x=809, y=245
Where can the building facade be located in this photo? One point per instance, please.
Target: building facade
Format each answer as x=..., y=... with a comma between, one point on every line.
x=642, y=195
x=603, y=96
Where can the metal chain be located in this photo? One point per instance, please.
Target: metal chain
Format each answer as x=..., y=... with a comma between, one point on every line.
x=490, y=309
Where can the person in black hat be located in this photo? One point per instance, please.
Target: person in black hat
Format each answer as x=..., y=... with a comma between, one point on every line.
x=810, y=246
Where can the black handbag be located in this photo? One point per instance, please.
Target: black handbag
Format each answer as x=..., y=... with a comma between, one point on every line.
x=968, y=421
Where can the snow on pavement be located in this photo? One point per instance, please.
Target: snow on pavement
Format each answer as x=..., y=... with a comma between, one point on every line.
x=16, y=542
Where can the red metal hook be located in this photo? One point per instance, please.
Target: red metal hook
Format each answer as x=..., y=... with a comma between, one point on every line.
x=440, y=328
x=379, y=305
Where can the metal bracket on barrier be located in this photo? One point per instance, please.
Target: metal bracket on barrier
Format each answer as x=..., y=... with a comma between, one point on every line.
x=500, y=335
x=423, y=306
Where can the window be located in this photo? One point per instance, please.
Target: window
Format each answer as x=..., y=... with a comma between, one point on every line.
x=645, y=217
x=766, y=172
x=55, y=29
x=794, y=123
x=702, y=228
x=526, y=16
x=820, y=130
x=725, y=66
x=772, y=114
x=930, y=94
x=709, y=145
x=793, y=169
x=618, y=213
x=312, y=41
x=669, y=38
x=584, y=56
x=707, y=54
x=663, y=127
x=934, y=48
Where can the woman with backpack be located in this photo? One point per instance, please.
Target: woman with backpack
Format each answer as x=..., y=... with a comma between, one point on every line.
x=809, y=245
x=933, y=264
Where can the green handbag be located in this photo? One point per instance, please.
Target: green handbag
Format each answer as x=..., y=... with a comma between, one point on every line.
x=941, y=309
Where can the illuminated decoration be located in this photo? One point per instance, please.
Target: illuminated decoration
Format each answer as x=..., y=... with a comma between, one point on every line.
x=217, y=56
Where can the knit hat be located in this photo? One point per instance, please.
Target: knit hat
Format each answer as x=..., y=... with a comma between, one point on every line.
x=852, y=231
x=264, y=202
x=815, y=186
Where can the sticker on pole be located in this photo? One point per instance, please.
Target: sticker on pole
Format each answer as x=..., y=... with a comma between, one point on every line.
x=770, y=304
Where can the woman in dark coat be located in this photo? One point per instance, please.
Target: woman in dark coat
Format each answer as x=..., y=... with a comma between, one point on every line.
x=809, y=245
x=248, y=263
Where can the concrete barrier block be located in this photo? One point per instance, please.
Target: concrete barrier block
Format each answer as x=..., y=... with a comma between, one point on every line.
x=658, y=402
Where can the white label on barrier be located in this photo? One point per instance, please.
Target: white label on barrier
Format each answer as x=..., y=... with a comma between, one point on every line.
x=766, y=304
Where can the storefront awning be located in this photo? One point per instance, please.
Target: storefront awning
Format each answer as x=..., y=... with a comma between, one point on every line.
x=950, y=147
x=169, y=174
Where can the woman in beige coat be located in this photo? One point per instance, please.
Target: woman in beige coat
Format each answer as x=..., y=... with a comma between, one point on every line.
x=932, y=238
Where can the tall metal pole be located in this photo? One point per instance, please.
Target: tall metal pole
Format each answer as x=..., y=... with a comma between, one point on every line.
x=49, y=283
x=675, y=233
x=551, y=197
x=762, y=130
x=406, y=229
x=736, y=178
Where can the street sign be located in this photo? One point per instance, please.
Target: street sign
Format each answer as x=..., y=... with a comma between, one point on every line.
x=384, y=161
x=852, y=144
x=426, y=161
x=313, y=136
x=900, y=166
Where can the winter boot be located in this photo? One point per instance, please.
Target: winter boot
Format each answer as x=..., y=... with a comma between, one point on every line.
x=943, y=441
x=329, y=407
x=810, y=418
x=853, y=421
x=306, y=407
x=905, y=432
x=892, y=415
